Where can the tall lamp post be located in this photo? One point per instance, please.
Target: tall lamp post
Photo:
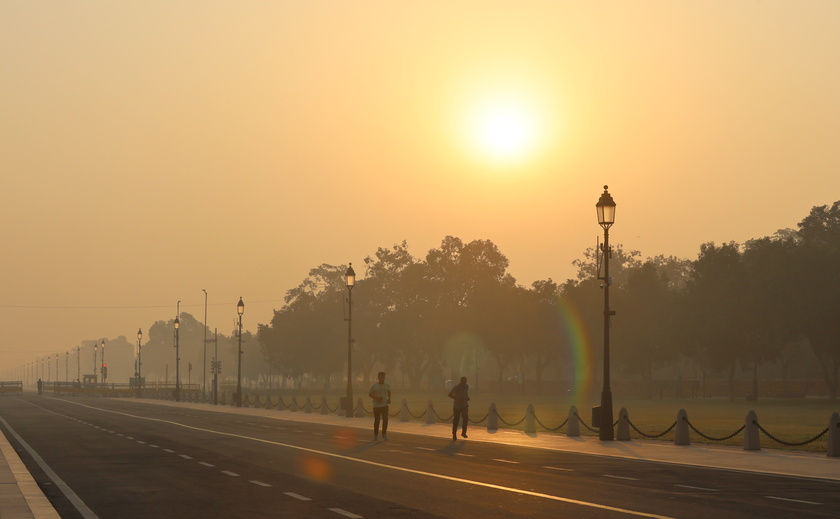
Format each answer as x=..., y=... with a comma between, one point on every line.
x=350, y=277
x=606, y=217
x=240, y=309
x=139, y=362
x=95, y=356
x=104, y=366
x=177, y=362
x=204, y=363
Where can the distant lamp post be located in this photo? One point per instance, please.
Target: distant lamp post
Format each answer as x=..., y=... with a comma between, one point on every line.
x=139, y=373
x=240, y=309
x=350, y=277
x=606, y=217
x=177, y=362
x=104, y=367
x=95, y=356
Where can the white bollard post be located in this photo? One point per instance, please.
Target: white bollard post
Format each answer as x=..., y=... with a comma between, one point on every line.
x=294, y=407
x=530, y=420
x=834, y=436
x=573, y=424
x=324, y=407
x=752, y=442
x=430, y=413
x=622, y=433
x=681, y=436
x=307, y=407
x=405, y=416
x=492, y=419
x=360, y=411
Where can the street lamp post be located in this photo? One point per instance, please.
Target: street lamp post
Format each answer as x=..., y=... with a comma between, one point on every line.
x=606, y=217
x=95, y=356
x=104, y=366
x=204, y=363
x=139, y=362
x=240, y=309
x=177, y=362
x=350, y=277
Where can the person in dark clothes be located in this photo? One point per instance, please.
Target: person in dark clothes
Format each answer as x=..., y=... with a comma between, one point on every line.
x=461, y=407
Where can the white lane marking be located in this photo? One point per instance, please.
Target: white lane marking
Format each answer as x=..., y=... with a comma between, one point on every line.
x=260, y=483
x=424, y=448
x=129, y=437
x=229, y=473
x=80, y=505
x=467, y=455
x=699, y=488
x=141, y=441
x=154, y=446
x=559, y=468
x=297, y=496
x=793, y=500
x=385, y=466
x=185, y=456
x=506, y=461
x=345, y=513
x=318, y=434
x=206, y=464
x=620, y=477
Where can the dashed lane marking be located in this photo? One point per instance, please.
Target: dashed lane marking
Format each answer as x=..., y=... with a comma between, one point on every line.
x=345, y=513
x=229, y=473
x=559, y=468
x=506, y=461
x=168, y=450
x=620, y=477
x=698, y=488
x=793, y=500
x=259, y=483
x=206, y=464
x=395, y=468
x=297, y=496
x=185, y=456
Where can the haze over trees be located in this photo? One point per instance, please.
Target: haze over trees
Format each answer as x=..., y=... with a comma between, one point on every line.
x=765, y=309
x=729, y=312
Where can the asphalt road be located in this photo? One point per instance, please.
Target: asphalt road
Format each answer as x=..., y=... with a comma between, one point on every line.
x=125, y=459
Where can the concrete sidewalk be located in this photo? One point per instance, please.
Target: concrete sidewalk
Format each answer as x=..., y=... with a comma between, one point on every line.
x=21, y=498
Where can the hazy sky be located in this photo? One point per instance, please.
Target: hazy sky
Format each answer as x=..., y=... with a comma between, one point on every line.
x=152, y=149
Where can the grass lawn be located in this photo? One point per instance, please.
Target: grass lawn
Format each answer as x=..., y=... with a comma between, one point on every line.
x=791, y=420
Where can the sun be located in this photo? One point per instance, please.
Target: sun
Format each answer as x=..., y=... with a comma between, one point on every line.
x=502, y=129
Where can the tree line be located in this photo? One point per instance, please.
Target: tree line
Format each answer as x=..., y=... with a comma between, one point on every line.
x=736, y=306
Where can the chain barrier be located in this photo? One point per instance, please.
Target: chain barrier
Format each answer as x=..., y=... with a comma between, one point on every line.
x=476, y=422
x=511, y=424
x=711, y=438
x=440, y=418
x=653, y=436
x=786, y=443
x=549, y=428
x=596, y=431
x=416, y=417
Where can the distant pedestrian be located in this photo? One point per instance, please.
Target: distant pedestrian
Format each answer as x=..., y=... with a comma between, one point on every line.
x=40, y=387
x=380, y=392
x=461, y=407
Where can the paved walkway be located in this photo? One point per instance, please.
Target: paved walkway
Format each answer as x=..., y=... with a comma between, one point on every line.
x=20, y=496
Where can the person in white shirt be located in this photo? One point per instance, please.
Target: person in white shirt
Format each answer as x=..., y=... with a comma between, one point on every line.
x=380, y=392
